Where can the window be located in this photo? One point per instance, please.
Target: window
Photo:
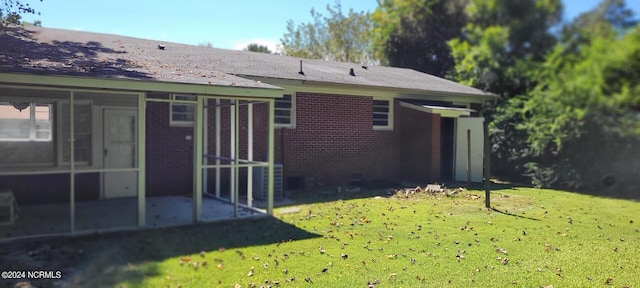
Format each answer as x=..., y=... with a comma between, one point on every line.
x=22, y=121
x=283, y=110
x=382, y=115
x=82, y=124
x=182, y=114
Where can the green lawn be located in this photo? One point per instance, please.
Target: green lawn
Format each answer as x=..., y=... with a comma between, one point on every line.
x=532, y=238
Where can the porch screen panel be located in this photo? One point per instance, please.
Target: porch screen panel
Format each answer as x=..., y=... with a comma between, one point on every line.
x=105, y=151
x=34, y=185
x=28, y=119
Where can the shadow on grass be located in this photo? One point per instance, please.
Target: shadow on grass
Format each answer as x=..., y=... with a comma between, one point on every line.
x=514, y=215
x=108, y=259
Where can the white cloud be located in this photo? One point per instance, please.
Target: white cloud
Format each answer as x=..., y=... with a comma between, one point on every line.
x=271, y=44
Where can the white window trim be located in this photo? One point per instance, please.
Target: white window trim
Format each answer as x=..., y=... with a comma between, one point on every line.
x=293, y=113
x=33, y=129
x=176, y=101
x=389, y=115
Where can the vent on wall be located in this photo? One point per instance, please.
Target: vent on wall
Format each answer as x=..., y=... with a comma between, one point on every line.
x=260, y=182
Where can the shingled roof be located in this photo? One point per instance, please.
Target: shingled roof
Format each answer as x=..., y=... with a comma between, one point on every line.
x=69, y=52
x=51, y=51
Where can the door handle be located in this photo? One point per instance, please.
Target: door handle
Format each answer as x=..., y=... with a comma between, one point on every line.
x=105, y=152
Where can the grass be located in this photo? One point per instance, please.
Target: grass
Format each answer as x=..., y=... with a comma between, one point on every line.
x=531, y=238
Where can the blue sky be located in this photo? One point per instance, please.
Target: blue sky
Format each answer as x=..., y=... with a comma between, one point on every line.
x=230, y=24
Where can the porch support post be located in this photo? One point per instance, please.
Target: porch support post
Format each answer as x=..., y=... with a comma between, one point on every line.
x=250, y=154
x=197, y=170
x=142, y=120
x=205, y=146
x=72, y=165
x=217, y=148
x=270, y=156
x=236, y=168
x=232, y=146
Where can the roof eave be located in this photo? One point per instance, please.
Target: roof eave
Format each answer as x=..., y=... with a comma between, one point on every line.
x=484, y=96
x=138, y=85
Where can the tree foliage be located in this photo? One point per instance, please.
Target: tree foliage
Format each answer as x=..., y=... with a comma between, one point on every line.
x=254, y=47
x=414, y=33
x=501, y=46
x=582, y=119
x=10, y=11
x=337, y=37
x=501, y=40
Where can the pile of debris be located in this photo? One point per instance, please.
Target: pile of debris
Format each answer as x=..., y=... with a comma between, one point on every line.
x=431, y=189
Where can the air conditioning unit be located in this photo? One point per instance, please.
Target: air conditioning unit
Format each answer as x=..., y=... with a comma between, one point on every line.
x=260, y=182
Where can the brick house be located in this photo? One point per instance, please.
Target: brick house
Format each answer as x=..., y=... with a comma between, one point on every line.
x=154, y=120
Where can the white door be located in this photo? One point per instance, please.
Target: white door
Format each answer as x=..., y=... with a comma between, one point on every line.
x=474, y=125
x=119, y=143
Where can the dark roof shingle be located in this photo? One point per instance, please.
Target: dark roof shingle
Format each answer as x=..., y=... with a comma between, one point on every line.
x=57, y=51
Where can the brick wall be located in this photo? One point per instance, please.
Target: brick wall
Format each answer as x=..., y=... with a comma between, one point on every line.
x=334, y=138
x=420, y=140
x=169, y=156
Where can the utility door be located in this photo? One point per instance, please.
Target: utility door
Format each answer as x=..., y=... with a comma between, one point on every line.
x=476, y=144
x=119, y=144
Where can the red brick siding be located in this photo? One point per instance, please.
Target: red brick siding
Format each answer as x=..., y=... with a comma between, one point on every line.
x=169, y=155
x=334, y=138
x=420, y=153
x=435, y=149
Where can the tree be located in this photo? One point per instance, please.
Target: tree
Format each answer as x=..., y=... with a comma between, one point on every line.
x=254, y=47
x=581, y=119
x=10, y=11
x=338, y=37
x=501, y=47
x=501, y=36
x=414, y=33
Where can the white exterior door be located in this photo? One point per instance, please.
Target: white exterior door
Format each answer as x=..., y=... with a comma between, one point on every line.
x=119, y=144
x=474, y=125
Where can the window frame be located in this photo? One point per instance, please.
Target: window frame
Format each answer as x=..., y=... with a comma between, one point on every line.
x=292, y=112
x=179, y=100
x=389, y=114
x=33, y=123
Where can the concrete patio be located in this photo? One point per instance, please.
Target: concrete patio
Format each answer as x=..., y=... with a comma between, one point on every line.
x=112, y=214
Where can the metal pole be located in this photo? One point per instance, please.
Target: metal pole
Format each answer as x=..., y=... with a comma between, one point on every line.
x=468, y=157
x=487, y=163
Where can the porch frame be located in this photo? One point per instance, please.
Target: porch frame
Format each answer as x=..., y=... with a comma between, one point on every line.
x=139, y=88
